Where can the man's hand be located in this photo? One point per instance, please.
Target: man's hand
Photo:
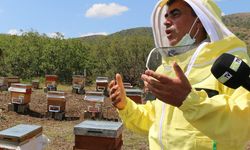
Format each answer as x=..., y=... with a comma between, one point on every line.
x=169, y=90
x=117, y=92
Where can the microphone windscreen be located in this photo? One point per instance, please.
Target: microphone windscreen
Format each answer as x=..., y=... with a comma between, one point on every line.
x=230, y=70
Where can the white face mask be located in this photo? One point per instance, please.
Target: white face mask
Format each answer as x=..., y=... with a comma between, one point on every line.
x=187, y=39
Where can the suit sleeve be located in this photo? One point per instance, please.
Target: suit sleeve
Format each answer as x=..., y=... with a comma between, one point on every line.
x=222, y=117
x=136, y=117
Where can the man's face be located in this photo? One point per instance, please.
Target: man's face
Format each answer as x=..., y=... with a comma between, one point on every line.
x=178, y=21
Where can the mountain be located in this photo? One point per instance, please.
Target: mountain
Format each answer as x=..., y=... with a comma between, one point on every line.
x=239, y=24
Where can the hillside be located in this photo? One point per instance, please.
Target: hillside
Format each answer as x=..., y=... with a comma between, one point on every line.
x=239, y=24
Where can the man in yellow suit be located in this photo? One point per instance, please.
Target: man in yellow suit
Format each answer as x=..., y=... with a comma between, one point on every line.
x=193, y=111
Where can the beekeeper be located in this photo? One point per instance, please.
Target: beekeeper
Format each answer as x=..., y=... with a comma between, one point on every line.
x=193, y=111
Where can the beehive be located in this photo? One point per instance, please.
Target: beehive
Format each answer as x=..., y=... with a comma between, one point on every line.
x=78, y=84
x=101, y=83
x=135, y=94
x=35, y=84
x=56, y=101
x=51, y=82
x=13, y=79
x=20, y=93
x=3, y=83
x=94, y=135
x=21, y=137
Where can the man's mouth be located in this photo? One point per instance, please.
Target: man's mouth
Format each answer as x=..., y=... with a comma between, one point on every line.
x=168, y=32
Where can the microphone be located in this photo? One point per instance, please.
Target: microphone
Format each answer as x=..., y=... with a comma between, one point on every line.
x=231, y=71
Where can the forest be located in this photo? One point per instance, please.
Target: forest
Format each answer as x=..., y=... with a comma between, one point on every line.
x=33, y=55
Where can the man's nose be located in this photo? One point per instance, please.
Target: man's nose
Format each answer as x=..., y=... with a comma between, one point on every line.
x=168, y=22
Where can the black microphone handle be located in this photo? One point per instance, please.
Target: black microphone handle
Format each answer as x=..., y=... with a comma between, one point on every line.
x=247, y=84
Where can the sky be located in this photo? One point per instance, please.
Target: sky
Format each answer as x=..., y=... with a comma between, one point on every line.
x=78, y=18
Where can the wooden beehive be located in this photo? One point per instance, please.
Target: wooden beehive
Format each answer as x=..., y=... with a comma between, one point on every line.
x=22, y=137
x=94, y=135
x=51, y=80
x=101, y=83
x=56, y=101
x=135, y=95
x=3, y=83
x=78, y=84
x=13, y=79
x=78, y=79
x=127, y=85
x=20, y=93
x=94, y=101
x=35, y=84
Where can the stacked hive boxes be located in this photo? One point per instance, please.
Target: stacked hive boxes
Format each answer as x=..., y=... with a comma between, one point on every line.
x=94, y=135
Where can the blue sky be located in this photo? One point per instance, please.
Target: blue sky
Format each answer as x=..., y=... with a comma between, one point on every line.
x=75, y=18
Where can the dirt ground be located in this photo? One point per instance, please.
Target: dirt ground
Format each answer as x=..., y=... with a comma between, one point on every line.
x=60, y=133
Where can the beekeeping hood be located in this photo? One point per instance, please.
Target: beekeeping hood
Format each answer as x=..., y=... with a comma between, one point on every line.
x=206, y=10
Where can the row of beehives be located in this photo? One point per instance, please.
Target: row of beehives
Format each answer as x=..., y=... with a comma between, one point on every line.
x=51, y=81
x=89, y=134
x=20, y=95
x=56, y=101
x=78, y=85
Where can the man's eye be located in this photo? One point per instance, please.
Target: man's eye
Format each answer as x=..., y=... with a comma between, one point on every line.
x=176, y=13
x=173, y=14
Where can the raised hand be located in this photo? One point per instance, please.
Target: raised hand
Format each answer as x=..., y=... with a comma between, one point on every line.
x=169, y=90
x=117, y=92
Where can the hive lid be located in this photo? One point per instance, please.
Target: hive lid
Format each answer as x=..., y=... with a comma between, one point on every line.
x=98, y=128
x=94, y=96
x=20, y=133
x=56, y=94
x=17, y=89
x=133, y=91
x=102, y=79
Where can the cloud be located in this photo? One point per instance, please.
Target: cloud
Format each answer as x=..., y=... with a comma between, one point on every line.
x=56, y=35
x=91, y=34
x=15, y=32
x=102, y=10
